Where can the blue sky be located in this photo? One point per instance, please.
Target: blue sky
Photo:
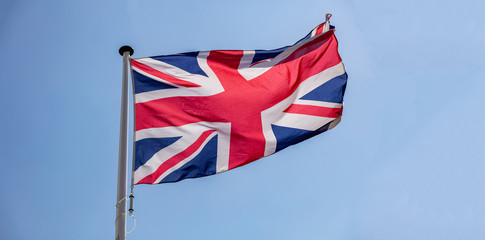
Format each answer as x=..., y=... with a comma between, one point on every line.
x=406, y=162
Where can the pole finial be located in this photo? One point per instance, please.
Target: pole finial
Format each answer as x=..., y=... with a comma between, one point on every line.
x=126, y=48
x=327, y=17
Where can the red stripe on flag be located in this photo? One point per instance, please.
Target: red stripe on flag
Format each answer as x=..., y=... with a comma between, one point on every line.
x=169, y=163
x=319, y=29
x=161, y=75
x=315, y=111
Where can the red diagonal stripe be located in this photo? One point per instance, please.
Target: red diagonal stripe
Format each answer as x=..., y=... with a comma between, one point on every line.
x=319, y=29
x=161, y=75
x=150, y=179
x=315, y=111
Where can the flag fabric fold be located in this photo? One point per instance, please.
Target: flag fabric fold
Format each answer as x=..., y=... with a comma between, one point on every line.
x=202, y=113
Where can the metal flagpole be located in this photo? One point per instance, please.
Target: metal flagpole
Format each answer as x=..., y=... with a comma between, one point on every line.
x=120, y=222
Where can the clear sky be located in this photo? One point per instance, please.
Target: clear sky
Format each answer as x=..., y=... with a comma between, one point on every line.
x=406, y=162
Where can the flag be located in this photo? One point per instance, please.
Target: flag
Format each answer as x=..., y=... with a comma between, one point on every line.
x=202, y=113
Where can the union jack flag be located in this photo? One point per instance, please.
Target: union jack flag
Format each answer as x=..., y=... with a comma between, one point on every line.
x=202, y=113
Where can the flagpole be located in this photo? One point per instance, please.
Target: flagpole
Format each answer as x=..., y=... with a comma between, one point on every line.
x=120, y=221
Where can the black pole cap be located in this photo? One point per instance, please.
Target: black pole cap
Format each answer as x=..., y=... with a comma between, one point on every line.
x=126, y=48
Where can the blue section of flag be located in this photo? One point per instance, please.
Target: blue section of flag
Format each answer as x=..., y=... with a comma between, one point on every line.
x=331, y=91
x=260, y=55
x=146, y=84
x=203, y=164
x=186, y=61
x=146, y=148
x=286, y=136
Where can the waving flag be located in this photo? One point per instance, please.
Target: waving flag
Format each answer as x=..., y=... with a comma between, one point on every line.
x=201, y=113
